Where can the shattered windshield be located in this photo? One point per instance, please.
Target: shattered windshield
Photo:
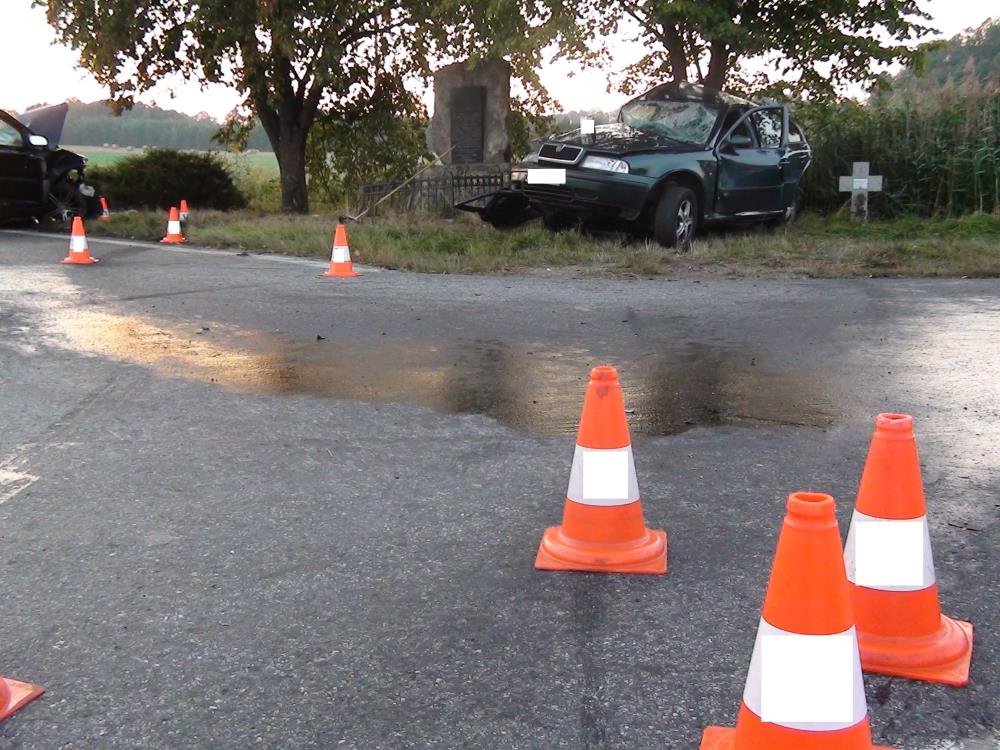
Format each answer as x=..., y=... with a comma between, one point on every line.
x=689, y=122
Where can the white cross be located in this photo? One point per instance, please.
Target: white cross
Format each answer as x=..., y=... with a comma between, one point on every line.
x=859, y=185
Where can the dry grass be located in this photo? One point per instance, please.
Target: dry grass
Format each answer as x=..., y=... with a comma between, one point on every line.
x=818, y=247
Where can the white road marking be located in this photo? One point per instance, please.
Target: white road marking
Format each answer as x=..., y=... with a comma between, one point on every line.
x=13, y=482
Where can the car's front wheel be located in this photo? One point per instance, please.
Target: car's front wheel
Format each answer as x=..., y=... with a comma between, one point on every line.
x=64, y=202
x=556, y=222
x=675, y=222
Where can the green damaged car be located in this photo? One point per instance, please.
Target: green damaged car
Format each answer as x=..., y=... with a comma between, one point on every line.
x=679, y=157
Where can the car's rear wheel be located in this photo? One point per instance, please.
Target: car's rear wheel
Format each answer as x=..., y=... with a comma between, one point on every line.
x=675, y=222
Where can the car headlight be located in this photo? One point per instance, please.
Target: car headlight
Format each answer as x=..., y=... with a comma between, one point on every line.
x=519, y=175
x=605, y=163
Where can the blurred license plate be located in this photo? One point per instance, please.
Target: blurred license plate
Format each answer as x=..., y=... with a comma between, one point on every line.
x=546, y=176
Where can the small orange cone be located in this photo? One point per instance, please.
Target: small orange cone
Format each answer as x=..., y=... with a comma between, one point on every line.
x=804, y=689
x=340, y=260
x=79, y=251
x=603, y=530
x=184, y=210
x=15, y=695
x=889, y=563
x=105, y=213
x=174, y=236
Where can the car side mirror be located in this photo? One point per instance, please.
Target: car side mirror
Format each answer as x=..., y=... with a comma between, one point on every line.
x=740, y=140
x=39, y=141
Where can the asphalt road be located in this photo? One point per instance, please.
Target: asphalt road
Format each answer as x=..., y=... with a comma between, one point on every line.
x=219, y=530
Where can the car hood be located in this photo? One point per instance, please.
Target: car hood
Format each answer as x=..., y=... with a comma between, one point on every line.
x=619, y=138
x=47, y=121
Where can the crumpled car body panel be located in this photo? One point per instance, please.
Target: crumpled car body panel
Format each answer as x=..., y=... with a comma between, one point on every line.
x=42, y=181
x=46, y=121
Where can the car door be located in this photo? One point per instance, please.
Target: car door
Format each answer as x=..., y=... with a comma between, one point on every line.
x=22, y=170
x=797, y=158
x=750, y=169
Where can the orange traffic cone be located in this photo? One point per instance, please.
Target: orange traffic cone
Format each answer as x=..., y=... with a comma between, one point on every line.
x=184, y=210
x=889, y=563
x=174, y=236
x=15, y=695
x=804, y=689
x=79, y=251
x=105, y=213
x=340, y=260
x=603, y=530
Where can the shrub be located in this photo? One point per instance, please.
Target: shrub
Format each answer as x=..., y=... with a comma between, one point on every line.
x=381, y=139
x=159, y=178
x=260, y=186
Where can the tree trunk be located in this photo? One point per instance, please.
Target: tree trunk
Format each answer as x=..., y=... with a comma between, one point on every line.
x=287, y=126
x=291, y=153
x=675, y=50
x=718, y=65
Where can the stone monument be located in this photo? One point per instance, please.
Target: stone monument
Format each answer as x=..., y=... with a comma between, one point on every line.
x=471, y=112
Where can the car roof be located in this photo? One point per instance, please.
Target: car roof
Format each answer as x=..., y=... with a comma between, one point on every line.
x=692, y=92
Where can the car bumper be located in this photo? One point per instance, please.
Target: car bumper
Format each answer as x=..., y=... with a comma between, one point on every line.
x=588, y=192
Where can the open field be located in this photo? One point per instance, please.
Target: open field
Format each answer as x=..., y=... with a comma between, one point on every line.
x=263, y=163
x=814, y=247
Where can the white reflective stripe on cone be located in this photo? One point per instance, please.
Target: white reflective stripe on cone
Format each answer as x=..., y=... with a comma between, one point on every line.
x=341, y=254
x=173, y=227
x=889, y=554
x=77, y=244
x=603, y=477
x=807, y=682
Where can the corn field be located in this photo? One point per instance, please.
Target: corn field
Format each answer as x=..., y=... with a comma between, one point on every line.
x=940, y=155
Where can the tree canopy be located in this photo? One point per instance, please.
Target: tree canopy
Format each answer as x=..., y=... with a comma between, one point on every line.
x=971, y=57
x=292, y=59
x=812, y=46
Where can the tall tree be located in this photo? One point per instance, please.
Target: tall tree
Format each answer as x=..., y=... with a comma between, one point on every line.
x=808, y=45
x=291, y=59
x=287, y=57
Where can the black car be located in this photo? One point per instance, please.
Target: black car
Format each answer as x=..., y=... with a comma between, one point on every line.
x=679, y=156
x=37, y=178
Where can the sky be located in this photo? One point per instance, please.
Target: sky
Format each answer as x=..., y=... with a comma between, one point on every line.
x=47, y=72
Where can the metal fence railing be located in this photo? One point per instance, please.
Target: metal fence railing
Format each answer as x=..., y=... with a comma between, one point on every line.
x=437, y=193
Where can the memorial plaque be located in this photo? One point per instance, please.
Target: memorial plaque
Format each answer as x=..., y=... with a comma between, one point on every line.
x=468, y=107
x=472, y=113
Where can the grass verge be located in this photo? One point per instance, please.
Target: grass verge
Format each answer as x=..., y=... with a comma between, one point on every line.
x=816, y=246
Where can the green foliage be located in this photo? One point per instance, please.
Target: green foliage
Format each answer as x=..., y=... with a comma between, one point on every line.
x=813, y=46
x=939, y=154
x=971, y=59
x=257, y=182
x=293, y=59
x=525, y=125
x=817, y=246
x=382, y=139
x=160, y=178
